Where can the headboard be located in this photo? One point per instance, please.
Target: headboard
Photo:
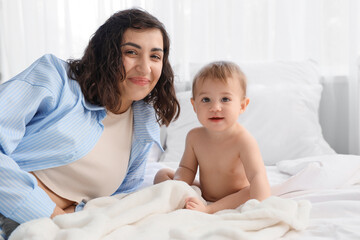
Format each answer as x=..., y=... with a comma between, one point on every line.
x=334, y=112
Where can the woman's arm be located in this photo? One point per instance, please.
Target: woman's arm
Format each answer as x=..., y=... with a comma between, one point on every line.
x=22, y=199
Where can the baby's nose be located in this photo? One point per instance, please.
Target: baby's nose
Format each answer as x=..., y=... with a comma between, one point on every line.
x=215, y=107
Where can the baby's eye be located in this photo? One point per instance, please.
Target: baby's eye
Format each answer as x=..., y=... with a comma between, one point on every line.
x=205, y=100
x=225, y=99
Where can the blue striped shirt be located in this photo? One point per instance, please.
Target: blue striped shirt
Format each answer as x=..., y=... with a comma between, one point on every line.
x=45, y=122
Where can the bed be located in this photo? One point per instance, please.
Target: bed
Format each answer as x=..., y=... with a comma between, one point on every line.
x=315, y=187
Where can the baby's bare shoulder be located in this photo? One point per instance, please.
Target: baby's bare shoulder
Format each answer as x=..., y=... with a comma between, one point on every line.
x=244, y=137
x=196, y=132
x=193, y=135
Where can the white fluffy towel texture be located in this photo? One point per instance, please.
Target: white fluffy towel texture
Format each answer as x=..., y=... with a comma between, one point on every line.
x=156, y=212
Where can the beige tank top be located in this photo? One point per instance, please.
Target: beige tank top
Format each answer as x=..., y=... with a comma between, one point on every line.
x=102, y=170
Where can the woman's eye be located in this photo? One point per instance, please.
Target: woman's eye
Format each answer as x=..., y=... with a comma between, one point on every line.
x=156, y=57
x=225, y=99
x=205, y=100
x=130, y=52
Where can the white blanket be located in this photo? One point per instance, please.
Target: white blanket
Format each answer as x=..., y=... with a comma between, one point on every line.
x=156, y=212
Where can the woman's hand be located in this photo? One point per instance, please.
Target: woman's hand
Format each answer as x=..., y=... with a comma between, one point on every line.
x=57, y=211
x=70, y=209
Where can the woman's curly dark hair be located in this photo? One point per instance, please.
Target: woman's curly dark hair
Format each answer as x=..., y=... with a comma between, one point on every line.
x=101, y=68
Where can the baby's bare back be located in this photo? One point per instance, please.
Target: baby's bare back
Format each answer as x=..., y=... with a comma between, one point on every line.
x=221, y=169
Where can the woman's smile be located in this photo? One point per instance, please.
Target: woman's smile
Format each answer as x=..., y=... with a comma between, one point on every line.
x=141, y=81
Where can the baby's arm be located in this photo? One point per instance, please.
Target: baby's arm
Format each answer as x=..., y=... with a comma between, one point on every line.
x=255, y=170
x=188, y=165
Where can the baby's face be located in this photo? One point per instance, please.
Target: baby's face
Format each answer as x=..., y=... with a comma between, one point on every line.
x=218, y=104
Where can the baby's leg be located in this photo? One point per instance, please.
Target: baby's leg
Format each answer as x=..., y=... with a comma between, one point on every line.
x=164, y=175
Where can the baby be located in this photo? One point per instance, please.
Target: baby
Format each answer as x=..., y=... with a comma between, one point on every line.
x=231, y=170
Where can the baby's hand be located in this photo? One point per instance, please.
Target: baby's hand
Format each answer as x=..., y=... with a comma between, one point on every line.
x=193, y=203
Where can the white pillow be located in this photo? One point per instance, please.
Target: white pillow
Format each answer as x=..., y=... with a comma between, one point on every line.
x=174, y=135
x=282, y=114
x=284, y=120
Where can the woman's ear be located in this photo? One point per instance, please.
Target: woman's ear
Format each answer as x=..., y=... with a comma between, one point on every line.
x=193, y=104
x=244, y=104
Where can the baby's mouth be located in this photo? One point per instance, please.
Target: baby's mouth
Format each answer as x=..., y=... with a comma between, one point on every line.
x=216, y=118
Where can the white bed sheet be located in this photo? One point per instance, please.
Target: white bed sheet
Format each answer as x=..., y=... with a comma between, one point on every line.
x=335, y=212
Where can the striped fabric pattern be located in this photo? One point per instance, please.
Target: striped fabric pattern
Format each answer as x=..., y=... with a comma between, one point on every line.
x=45, y=122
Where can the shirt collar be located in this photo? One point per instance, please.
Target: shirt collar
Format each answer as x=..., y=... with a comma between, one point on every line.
x=146, y=127
x=94, y=108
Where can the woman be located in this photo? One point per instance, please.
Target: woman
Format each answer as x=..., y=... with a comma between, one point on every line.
x=73, y=131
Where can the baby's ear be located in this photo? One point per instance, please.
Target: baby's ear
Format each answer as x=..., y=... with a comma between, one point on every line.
x=193, y=103
x=244, y=104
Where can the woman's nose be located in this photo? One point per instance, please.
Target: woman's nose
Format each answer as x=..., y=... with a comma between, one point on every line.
x=143, y=66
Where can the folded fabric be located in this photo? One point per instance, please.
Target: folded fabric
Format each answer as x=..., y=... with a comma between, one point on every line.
x=156, y=212
x=318, y=172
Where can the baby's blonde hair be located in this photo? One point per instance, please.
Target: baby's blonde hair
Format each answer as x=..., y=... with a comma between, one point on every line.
x=221, y=71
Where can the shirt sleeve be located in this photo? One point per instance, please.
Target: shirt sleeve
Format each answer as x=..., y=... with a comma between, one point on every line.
x=21, y=103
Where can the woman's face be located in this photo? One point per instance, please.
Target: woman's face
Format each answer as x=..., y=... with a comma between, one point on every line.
x=142, y=55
